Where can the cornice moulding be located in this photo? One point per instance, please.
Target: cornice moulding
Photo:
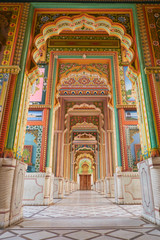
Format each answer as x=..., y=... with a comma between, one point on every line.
x=149, y=70
x=10, y=69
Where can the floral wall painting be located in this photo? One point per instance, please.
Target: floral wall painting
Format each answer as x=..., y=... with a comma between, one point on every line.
x=131, y=115
x=37, y=89
x=137, y=148
x=128, y=87
x=27, y=154
x=35, y=116
x=4, y=77
x=133, y=146
x=33, y=137
x=4, y=27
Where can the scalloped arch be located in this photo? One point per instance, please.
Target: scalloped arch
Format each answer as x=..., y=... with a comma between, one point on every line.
x=83, y=20
x=84, y=155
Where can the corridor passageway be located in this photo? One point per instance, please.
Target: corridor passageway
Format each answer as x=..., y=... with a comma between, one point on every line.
x=82, y=215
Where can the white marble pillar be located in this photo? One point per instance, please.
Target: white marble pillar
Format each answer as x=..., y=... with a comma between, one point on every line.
x=102, y=187
x=127, y=187
x=109, y=187
x=12, y=174
x=149, y=171
x=67, y=187
x=58, y=189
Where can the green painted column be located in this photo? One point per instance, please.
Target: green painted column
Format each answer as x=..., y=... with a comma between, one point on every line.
x=116, y=119
x=19, y=84
x=51, y=115
x=149, y=111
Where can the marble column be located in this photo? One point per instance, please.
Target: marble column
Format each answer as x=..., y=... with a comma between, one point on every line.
x=12, y=174
x=149, y=171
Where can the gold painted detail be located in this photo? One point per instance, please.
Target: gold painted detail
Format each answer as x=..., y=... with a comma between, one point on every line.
x=84, y=43
x=143, y=34
x=40, y=106
x=21, y=33
x=149, y=70
x=126, y=106
x=10, y=69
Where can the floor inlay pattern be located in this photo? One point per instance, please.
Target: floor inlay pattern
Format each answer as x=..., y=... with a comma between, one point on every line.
x=82, y=215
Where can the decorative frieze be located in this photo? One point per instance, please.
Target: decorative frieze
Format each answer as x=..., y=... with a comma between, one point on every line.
x=150, y=70
x=10, y=69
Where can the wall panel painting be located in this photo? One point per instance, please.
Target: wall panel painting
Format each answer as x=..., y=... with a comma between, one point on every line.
x=131, y=115
x=3, y=88
x=35, y=116
x=129, y=87
x=10, y=16
x=133, y=146
x=38, y=89
x=5, y=17
x=33, y=138
x=153, y=21
x=27, y=154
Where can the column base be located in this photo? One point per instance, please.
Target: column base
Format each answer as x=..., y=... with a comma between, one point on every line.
x=149, y=171
x=127, y=188
x=58, y=188
x=38, y=188
x=12, y=174
x=98, y=186
x=102, y=187
x=66, y=188
x=109, y=187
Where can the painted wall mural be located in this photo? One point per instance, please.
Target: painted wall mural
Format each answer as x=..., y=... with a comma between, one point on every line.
x=9, y=18
x=131, y=115
x=127, y=91
x=5, y=18
x=133, y=146
x=128, y=87
x=38, y=89
x=35, y=115
x=4, y=77
x=153, y=22
x=85, y=166
x=27, y=154
x=33, y=138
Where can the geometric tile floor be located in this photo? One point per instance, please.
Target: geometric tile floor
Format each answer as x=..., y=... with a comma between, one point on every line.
x=80, y=216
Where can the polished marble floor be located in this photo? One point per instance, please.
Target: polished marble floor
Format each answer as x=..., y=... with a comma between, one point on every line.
x=83, y=215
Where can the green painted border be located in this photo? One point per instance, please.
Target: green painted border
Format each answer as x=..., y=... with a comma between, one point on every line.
x=51, y=115
x=82, y=5
x=148, y=104
x=19, y=84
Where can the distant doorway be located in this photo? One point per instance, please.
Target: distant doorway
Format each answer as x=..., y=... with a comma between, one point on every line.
x=85, y=182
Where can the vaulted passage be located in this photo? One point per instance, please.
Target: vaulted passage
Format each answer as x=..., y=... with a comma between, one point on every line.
x=80, y=117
